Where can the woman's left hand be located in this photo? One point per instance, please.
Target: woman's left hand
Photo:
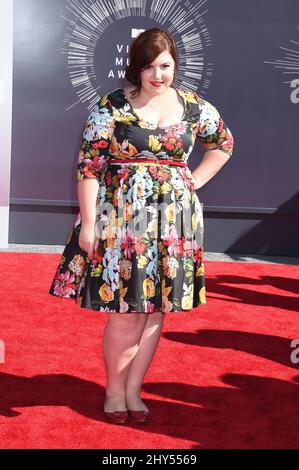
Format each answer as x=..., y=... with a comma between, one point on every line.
x=193, y=180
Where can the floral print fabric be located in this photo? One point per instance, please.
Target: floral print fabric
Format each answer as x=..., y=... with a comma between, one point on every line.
x=148, y=217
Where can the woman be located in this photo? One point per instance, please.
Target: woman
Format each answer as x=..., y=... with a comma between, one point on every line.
x=136, y=249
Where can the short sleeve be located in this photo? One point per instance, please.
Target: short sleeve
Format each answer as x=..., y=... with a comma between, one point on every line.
x=211, y=130
x=96, y=140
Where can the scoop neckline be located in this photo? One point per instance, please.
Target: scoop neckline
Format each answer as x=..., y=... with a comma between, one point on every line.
x=141, y=120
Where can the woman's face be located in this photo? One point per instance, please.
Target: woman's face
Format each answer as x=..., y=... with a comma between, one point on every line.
x=158, y=76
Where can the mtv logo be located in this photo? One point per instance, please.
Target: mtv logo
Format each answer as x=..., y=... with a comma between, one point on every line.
x=135, y=32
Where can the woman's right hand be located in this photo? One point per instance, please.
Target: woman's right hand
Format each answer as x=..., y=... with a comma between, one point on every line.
x=88, y=241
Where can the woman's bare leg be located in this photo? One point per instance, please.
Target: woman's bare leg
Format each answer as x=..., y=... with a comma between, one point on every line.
x=142, y=360
x=121, y=336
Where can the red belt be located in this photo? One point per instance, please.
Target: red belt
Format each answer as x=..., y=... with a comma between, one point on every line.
x=146, y=160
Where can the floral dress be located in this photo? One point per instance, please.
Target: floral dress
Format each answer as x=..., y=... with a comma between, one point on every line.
x=149, y=221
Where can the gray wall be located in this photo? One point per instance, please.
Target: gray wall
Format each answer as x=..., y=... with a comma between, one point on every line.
x=244, y=55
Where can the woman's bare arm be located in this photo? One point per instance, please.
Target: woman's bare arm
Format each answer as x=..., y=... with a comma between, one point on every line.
x=211, y=163
x=87, y=191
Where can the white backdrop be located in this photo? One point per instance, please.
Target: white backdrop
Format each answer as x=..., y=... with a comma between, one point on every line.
x=6, y=60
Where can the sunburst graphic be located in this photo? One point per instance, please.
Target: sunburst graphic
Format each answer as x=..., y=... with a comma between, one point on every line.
x=290, y=62
x=99, y=32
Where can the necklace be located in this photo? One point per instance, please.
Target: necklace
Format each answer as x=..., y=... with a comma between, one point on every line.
x=148, y=104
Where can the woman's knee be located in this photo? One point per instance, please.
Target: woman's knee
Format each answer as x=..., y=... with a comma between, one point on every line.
x=156, y=318
x=126, y=320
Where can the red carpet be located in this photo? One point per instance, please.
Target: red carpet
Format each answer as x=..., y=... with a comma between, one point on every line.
x=221, y=378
